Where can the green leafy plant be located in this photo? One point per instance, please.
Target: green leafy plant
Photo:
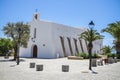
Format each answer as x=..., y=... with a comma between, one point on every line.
x=95, y=55
x=5, y=46
x=106, y=50
x=19, y=32
x=114, y=30
x=118, y=56
x=84, y=55
x=78, y=55
x=111, y=55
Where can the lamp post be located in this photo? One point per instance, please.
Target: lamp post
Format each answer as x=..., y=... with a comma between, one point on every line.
x=90, y=45
x=18, y=45
x=33, y=39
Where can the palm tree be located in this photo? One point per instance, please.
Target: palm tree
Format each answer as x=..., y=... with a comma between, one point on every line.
x=19, y=33
x=106, y=50
x=114, y=30
x=90, y=36
x=9, y=31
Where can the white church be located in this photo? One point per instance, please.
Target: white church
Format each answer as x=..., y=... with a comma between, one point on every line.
x=52, y=40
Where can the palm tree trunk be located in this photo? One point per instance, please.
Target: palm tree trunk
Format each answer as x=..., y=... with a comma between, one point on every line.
x=15, y=53
x=90, y=60
x=118, y=48
x=90, y=45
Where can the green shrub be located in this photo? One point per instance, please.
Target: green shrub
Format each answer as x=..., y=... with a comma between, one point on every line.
x=118, y=56
x=84, y=55
x=78, y=55
x=111, y=55
x=2, y=54
x=12, y=54
x=95, y=55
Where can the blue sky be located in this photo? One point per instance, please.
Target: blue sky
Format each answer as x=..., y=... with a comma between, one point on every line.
x=77, y=13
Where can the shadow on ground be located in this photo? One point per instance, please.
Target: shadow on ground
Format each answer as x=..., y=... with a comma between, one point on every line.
x=11, y=60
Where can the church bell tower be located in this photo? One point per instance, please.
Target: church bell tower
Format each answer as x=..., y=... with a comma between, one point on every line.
x=36, y=16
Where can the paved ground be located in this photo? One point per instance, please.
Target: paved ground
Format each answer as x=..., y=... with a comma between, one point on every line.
x=52, y=70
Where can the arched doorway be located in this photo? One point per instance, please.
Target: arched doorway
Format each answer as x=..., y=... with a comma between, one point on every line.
x=34, y=51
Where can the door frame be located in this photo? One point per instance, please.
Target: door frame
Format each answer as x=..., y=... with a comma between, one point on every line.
x=34, y=51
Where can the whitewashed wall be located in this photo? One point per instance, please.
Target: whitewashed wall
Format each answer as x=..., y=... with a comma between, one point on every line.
x=48, y=40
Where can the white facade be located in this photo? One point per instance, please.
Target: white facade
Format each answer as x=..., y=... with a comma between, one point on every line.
x=53, y=40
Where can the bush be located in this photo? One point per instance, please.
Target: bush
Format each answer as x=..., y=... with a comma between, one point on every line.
x=12, y=54
x=2, y=54
x=78, y=55
x=95, y=55
x=111, y=55
x=118, y=56
x=84, y=55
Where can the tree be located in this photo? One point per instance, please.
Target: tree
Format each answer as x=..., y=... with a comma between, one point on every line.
x=90, y=36
x=114, y=30
x=5, y=46
x=19, y=33
x=106, y=50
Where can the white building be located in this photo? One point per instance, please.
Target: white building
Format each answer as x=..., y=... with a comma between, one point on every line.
x=53, y=40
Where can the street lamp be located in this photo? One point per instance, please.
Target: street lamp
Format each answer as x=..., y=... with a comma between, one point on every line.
x=18, y=45
x=33, y=39
x=90, y=45
x=91, y=25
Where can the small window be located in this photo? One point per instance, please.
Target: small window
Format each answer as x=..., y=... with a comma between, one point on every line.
x=35, y=33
